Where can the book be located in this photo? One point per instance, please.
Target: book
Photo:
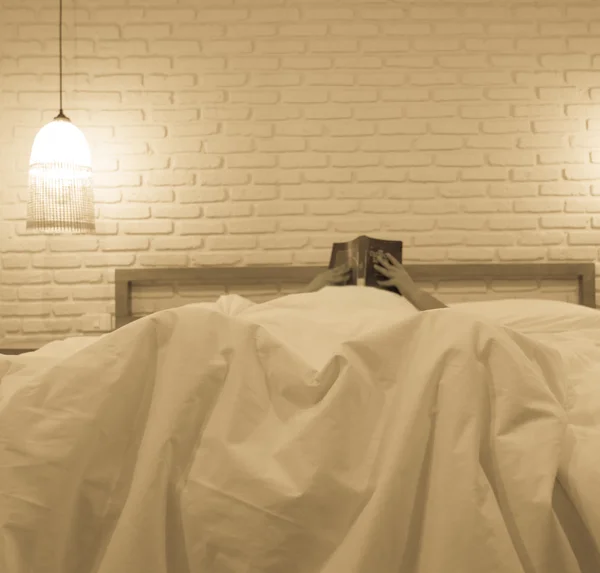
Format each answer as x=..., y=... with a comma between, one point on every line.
x=360, y=255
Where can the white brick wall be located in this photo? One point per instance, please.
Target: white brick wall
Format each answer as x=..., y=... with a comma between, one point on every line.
x=258, y=131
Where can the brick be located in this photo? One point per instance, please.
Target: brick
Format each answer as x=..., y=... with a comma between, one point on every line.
x=109, y=260
x=522, y=253
x=282, y=144
x=26, y=293
x=201, y=227
x=439, y=239
x=175, y=211
x=462, y=189
x=489, y=239
x=321, y=14
x=231, y=243
x=512, y=158
x=582, y=205
x=162, y=260
x=582, y=172
x=313, y=191
x=358, y=191
x=196, y=161
x=398, y=27
x=357, y=160
x=408, y=61
x=129, y=31
x=214, y=259
x=429, y=110
x=586, y=140
x=277, y=113
x=530, y=238
x=124, y=244
x=227, y=210
x=244, y=30
x=301, y=160
x=506, y=126
x=254, y=193
x=332, y=46
x=486, y=206
x=251, y=226
x=513, y=189
x=470, y=254
x=335, y=145
x=13, y=262
x=29, y=309
x=278, y=176
x=485, y=111
x=282, y=242
x=438, y=207
x=55, y=261
x=333, y=207
x=513, y=222
x=126, y=211
x=147, y=227
x=583, y=111
x=384, y=206
x=373, y=113
x=78, y=276
x=268, y=258
x=564, y=221
x=540, y=142
x=219, y=178
x=379, y=174
x=47, y=325
x=432, y=174
x=354, y=96
x=72, y=244
x=568, y=61
x=538, y=206
x=459, y=159
x=572, y=253
x=556, y=157
x=176, y=243
x=438, y=142
x=24, y=277
x=273, y=209
x=411, y=223
x=491, y=142
x=445, y=13
x=458, y=94
x=358, y=62
x=566, y=188
x=397, y=127
x=303, y=224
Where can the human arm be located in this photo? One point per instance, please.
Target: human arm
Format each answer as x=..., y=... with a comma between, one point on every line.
x=330, y=277
x=399, y=277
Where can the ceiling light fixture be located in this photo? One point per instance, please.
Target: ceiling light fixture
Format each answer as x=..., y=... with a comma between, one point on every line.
x=61, y=198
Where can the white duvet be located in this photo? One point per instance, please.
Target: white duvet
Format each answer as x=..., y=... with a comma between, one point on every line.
x=334, y=432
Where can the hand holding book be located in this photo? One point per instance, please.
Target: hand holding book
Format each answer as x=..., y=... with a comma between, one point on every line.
x=331, y=277
x=387, y=265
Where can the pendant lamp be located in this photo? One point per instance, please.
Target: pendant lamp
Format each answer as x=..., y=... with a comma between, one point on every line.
x=60, y=174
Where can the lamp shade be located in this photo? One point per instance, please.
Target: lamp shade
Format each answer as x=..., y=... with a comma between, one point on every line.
x=60, y=181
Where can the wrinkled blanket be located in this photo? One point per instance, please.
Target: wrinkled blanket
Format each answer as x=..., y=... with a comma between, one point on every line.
x=313, y=434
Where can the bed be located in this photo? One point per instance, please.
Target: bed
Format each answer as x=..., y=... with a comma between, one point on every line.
x=337, y=431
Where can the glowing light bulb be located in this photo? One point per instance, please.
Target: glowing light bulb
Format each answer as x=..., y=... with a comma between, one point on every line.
x=60, y=181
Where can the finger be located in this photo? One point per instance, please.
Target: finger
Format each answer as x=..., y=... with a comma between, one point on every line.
x=382, y=270
x=388, y=282
x=392, y=259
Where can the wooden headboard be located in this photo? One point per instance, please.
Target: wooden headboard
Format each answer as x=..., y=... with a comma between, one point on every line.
x=583, y=273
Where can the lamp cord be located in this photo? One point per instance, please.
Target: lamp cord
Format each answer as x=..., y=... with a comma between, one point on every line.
x=60, y=57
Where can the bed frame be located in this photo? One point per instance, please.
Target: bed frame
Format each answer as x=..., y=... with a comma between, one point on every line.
x=583, y=273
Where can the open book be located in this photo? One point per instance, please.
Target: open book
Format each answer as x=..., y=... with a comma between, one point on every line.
x=360, y=254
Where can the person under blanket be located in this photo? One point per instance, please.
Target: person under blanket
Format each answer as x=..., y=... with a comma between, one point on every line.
x=396, y=276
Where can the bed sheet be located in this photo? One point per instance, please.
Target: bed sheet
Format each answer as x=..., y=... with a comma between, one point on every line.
x=336, y=431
